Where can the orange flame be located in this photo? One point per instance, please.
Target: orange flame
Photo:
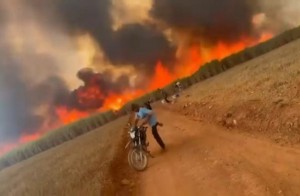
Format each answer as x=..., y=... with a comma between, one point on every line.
x=162, y=77
x=67, y=116
x=115, y=101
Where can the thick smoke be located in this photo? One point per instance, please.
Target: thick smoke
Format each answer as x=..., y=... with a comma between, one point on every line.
x=33, y=58
x=225, y=20
x=139, y=45
x=18, y=99
x=279, y=15
x=21, y=100
x=213, y=20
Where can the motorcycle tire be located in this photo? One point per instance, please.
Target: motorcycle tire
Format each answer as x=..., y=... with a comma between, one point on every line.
x=138, y=159
x=129, y=158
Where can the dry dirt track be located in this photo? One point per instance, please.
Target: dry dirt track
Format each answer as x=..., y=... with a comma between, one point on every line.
x=203, y=159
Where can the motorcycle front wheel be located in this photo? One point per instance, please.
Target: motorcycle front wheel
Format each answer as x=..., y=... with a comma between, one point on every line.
x=138, y=159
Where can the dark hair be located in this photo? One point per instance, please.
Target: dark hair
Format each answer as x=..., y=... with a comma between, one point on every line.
x=148, y=105
x=134, y=107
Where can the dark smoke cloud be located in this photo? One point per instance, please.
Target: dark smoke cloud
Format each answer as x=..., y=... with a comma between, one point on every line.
x=140, y=45
x=52, y=90
x=88, y=16
x=103, y=80
x=212, y=20
x=18, y=99
x=110, y=86
x=15, y=115
x=30, y=87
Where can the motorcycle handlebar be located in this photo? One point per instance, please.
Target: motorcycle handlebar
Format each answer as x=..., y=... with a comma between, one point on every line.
x=140, y=127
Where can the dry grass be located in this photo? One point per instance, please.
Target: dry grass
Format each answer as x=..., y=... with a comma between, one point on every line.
x=262, y=95
x=55, y=138
x=77, y=167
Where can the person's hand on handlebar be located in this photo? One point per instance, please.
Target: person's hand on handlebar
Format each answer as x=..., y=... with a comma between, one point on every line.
x=143, y=123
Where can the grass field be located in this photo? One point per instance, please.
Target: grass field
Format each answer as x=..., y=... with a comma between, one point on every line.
x=261, y=95
x=77, y=167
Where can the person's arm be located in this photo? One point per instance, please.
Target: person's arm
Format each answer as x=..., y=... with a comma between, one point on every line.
x=136, y=119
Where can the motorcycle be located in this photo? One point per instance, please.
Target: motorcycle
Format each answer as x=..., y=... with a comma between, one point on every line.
x=138, y=154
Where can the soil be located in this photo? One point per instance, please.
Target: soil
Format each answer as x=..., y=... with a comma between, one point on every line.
x=206, y=159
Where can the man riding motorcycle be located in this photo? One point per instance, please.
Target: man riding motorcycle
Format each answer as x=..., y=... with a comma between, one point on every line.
x=148, y=116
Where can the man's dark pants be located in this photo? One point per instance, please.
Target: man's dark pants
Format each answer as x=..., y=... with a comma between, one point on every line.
x=157, y=137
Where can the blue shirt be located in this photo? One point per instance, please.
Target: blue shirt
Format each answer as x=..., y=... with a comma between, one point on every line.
x=143, y=113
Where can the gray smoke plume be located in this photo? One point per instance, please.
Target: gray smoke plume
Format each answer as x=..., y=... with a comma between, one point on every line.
x=225, y=20
x=31, y=84
x=279, y=15
x=140, y=45
x=18, y=98
x=213, y=20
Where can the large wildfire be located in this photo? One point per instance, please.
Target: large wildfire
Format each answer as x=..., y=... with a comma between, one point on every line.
x=64, y=60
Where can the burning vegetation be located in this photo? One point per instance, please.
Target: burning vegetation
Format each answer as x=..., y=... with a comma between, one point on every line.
x=40, y=60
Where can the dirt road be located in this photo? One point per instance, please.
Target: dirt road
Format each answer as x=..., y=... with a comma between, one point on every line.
x=203, y=159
